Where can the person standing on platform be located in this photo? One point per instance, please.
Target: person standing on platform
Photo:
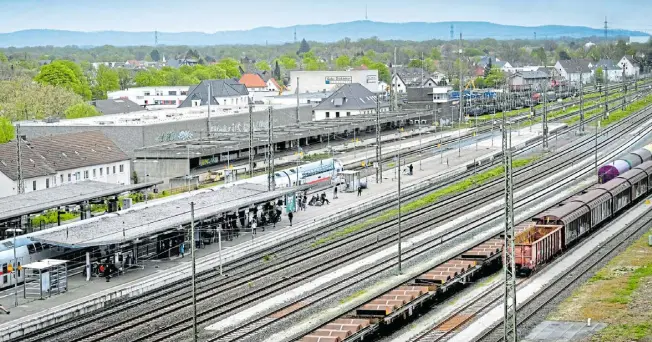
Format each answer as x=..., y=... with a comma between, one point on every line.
x=359, y=191
x=335, y=192
x=411, y=168
x=182, y=249
x=290, y=216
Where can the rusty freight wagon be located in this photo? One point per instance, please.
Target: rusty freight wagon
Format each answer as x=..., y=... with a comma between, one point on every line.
x=536, y=246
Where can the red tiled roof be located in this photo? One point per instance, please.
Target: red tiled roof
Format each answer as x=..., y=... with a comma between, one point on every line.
x=252, y=81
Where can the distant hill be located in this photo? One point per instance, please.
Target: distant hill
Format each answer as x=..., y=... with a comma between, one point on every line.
x=416, y=31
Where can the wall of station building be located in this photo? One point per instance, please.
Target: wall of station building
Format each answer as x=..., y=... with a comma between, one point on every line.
x=325, y=81
x=130, y=138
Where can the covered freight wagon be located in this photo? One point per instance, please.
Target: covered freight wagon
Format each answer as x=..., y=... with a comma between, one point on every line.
x=599, y=203
x=612, y=170
x=644, y=154
x=574, y=216
x=536, y=246
x=619, y=189
x=637, y=179
x=647, y=168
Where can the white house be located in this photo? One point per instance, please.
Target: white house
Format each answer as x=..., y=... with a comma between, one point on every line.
x=609, y=69
x=254, y=83
x=440, y=94
x=383, y=87
x=273, y=86
x=632, y=68
x=153, y=97
x=434, y=80
x=348, y=100
x=223, y=93
x=574, y=70
x=55, y=160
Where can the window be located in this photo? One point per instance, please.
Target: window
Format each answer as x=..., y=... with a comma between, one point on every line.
x=337, y=114
x=61, y=177
x=113, y=169
x=122, y=168
x=69, y=177
x=107, y=170
x=47, y=183
x=94, y=173
x=348, y=113
x=147, y=93
x=86, y=174
x=34, y=185
x=77, y=176
x=101, y=169
x=172, y=92
x=184, y=92
x=328, y=114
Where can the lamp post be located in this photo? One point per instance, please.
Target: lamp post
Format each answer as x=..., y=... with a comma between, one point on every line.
x=399, y=206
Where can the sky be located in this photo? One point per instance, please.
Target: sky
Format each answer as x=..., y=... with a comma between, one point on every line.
x=222, y=15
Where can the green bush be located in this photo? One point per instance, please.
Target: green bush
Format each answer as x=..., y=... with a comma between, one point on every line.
x=50, y=217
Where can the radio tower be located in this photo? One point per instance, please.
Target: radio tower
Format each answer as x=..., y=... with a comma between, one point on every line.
x=295, y=34
x=605, y=29
x=452, y=32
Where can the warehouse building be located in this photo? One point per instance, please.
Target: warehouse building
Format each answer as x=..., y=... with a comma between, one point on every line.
x=328, y=81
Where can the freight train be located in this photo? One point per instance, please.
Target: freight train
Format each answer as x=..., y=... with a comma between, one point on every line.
x=617, y=167
x=550, y=232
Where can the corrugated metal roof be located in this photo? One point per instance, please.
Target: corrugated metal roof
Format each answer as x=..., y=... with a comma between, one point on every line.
x=594, y=198
x=615, y=186
x=569, y=210
x=634, y=175
x=647, y=167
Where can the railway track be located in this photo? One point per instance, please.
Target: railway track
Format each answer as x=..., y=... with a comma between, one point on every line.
x=157, y=299
x=555, y=290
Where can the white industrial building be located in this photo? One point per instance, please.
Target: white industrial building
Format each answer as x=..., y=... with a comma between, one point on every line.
x=55, y=160
x=348, y=100
x=153, y=97
x=325, y=81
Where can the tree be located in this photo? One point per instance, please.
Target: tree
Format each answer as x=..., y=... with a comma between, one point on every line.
x=65, y=74
x=288, y=62
x=263, y=66
x=156, y=56
x=415, y=63
x=304, y=47
x=3, y=58
x=24, y=99
x=540, y=55
x=435, y=54
x=495, y=78
x=472, y=52
x=124, y=78
x=342, y=62
x=6, y=130
x=487, y=68
x=563, y=55
x=231, y=66
x=106, y=80
x=599, y=75
x=277, y=70
x=81, y=110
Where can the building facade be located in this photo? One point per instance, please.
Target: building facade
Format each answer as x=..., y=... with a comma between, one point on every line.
x=50, y=161
x=153, y=97
x=325, y=81
x=348, y=100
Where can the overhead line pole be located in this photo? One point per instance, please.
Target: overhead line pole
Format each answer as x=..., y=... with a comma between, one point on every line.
x=298, y=139
x=251, y=141
x=459, y=121
x=194, y=287
x=208, y=117
x=509, y=265
x=379, y=164
x=270, y=151
x=544, y=125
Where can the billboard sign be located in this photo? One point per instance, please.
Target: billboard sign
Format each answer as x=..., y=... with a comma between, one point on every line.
x=338, y=79
x=372, y=79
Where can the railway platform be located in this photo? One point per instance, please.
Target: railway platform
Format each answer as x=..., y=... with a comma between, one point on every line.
x=83, y=296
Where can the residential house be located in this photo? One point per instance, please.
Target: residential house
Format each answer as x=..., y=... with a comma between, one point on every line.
x=116, y=106
x=348, y=100
x=631, y=66
x=54, y=160
x=226, y=92
x=407, y=78
x=273, y=86
x=153, y=97
x=434, y=80
x=495, y=63
x=254, y=83
x=176, y=63
x=574, y=70
x=611, y=70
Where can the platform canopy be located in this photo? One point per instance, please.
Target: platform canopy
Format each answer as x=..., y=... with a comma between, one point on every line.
x=68, y=194
x=159, y=216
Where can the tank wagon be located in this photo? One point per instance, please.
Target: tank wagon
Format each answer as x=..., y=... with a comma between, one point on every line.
x=617, y=167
